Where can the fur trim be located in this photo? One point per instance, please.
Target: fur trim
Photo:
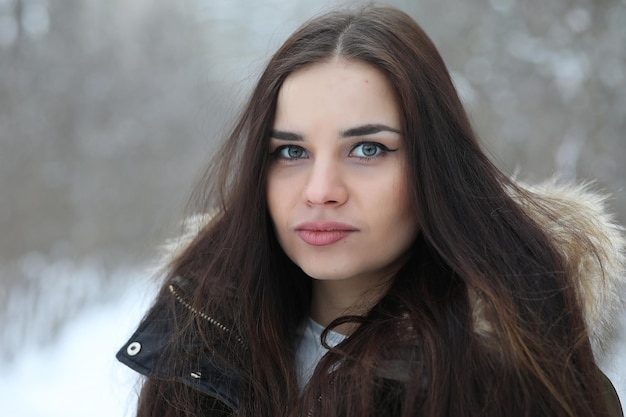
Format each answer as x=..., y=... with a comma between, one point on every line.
x=593, y=246
x=172, y=248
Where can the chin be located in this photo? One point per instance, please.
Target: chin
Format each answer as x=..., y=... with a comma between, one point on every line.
x=324, y=276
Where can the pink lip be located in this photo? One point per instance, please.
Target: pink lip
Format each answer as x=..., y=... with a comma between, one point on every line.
x=323, y=233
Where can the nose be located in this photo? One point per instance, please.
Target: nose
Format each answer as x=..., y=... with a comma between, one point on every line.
x=325, y=184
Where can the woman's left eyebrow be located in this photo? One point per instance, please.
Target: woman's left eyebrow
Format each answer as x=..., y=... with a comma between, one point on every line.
x=369, y=129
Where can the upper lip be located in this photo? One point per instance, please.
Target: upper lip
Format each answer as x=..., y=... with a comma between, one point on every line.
x=325, y=226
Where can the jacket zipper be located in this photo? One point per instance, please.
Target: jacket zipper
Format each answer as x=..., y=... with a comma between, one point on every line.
x=202, y=315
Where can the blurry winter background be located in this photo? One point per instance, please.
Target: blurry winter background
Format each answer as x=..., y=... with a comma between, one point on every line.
x=108, y=110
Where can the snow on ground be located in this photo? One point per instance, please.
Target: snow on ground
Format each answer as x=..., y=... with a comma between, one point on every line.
x=79, y=376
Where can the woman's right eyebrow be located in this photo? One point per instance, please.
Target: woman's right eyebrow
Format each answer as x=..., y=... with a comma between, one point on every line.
x=282, y=135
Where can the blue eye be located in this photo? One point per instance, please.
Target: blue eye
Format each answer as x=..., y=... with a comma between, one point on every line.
x=369, y=150
x=290, y=152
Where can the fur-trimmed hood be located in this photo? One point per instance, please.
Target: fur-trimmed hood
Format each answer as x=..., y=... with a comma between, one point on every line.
x=601, y=272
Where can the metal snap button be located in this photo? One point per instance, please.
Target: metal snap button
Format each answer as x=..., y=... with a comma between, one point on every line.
x=196, y=375
x=133, y=348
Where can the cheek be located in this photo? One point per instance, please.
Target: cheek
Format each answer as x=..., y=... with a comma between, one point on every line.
x=271, y=197
x=273, y=207
x=403, y=213
x=279, y=194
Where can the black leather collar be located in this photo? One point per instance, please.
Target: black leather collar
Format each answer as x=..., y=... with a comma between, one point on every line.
x=147, y=353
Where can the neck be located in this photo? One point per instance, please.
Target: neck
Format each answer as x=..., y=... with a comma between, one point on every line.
x=332, y=299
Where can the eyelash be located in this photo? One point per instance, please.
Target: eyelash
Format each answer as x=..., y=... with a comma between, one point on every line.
x=278, y=151
x=382, y=150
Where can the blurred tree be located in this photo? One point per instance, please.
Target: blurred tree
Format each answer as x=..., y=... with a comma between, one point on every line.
x=104, y=119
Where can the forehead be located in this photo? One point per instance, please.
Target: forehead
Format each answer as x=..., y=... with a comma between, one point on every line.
x=350, y=90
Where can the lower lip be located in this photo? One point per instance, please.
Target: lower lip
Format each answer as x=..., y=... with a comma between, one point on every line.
x=322, y=237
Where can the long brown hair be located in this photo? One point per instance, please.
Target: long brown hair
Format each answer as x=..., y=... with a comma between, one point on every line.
x=483, y=318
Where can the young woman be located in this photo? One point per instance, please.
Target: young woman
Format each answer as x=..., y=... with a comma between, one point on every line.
x=364, y=258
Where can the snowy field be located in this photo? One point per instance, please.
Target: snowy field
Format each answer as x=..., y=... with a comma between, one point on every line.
x=79, y=376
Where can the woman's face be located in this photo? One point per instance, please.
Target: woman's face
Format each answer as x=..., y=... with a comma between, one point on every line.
x=337, y=188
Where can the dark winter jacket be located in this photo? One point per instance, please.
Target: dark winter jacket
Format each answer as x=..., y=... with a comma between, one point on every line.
x=146, y=353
